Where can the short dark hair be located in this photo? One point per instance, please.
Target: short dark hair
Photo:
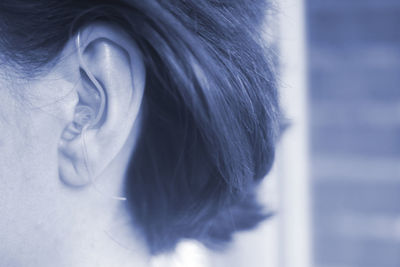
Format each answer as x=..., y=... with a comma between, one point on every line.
x=211, y=114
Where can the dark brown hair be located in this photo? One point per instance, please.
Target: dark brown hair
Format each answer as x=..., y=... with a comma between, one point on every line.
x=210, y=111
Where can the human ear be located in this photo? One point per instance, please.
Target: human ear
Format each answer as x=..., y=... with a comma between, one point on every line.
x=112, y=76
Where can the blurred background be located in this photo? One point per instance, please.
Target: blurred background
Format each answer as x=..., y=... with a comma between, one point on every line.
x=335, y=186
x=337, y=174
x=353, y=49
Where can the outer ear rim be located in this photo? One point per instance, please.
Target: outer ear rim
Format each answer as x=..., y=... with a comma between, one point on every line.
x=95, y=82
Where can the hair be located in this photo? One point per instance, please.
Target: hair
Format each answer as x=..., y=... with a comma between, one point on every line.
x=211, y=114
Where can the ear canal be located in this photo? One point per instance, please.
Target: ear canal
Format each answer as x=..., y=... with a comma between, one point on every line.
x=84, y=116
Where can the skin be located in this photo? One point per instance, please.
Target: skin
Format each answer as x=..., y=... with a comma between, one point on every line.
x=51, y=213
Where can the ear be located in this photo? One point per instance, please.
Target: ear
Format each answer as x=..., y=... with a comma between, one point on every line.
x=112, y=79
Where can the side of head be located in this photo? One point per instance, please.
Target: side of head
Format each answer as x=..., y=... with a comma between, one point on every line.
x=191, y=102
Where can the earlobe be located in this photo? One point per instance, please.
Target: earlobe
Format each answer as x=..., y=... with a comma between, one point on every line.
x=110, y=95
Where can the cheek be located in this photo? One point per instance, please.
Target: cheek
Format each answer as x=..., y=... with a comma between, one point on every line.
x=29, y=184
x=31, y=123
x=28, y=164
x=30, y=132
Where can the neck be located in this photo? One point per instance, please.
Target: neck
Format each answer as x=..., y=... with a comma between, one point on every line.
x=107, y=241
x=102, y=232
